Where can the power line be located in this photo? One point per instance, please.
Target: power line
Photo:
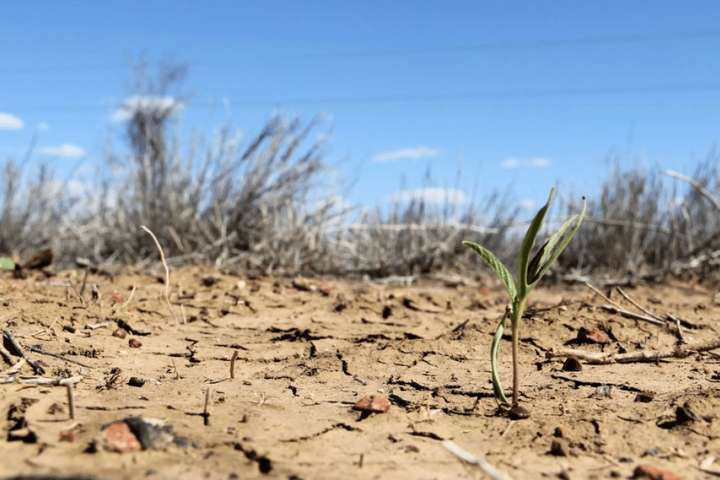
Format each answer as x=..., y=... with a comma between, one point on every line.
x=584, y=41
x=488, y=95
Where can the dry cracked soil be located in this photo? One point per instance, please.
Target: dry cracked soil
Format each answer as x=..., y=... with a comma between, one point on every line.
x=307, y=350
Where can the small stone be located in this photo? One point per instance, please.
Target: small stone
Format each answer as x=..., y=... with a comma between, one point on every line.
x=373, y=404
x=685, y=414
x=645, y=397
x=117, y=437
x=651, y=452
x=119, y=333
x=136, y=382
x=55, y=408
x=648, y=472
x=557, y=449
x=325, y=289
x=69, y=436
x=24, y=435
x=519, y=413
x=594, y=335
x=134, y=343
x=572, y=364
x=303, y=285
x=603, y=391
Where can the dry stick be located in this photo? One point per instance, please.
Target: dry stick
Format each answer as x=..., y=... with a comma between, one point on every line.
x=631, y=315
x=678, y=323
x=127, y=302
x=480, y=462
x=699, y=187
x=232, y=364
x=167, y=271
x=71, y=400
x=24, y=380
x=602, y=295
x=206, y=413
x=599, y=358
x=616, y=308
x=6, y=356
x=37, y=368
x=15, y=368
x=59, y=357
x=637, y=305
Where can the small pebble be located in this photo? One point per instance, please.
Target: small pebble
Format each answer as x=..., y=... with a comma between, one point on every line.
x=519, y=413
x=572, y=364
x=119, y=333
x=136, y=382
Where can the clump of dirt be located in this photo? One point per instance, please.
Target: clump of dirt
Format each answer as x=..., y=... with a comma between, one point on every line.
x=361, y=378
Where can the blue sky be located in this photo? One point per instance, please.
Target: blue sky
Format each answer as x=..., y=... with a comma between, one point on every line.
x=507, y=93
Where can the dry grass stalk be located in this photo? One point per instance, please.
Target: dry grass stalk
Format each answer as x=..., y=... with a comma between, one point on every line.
x=167, y=272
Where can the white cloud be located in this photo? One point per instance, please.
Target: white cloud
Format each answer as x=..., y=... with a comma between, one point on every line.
x=10, y=122
x=413, y=153
x=65, y=150
x=526, y=204
x=534, y=162
x=146, y=102
x=431, y=195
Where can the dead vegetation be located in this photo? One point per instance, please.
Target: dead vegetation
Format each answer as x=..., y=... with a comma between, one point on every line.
x=261, y=204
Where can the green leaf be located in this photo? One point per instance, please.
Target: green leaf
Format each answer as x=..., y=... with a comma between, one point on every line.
x=497, y=266
x=7, y=263
x=558, y=242
x=529, y=241
x=494, y=348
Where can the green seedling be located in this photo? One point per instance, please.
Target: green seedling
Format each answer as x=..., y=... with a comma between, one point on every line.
x=530, y=271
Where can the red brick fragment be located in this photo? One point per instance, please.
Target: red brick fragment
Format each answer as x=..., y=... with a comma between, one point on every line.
x=373, y=404
x=117, y=437
x=648, y=472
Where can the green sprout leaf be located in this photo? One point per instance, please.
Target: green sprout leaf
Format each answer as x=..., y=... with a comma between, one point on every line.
x=558, y=242
x=530, y=271
x=494, y=349
x=497, y=266
x=7, y=263
x=529, y=241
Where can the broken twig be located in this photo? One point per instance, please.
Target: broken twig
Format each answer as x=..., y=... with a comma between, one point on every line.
x=600, y=358
x=480, y=462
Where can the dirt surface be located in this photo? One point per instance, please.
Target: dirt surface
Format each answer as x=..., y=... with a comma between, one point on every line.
x=308, y=350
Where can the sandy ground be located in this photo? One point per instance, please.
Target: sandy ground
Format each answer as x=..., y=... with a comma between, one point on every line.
x=308, y=351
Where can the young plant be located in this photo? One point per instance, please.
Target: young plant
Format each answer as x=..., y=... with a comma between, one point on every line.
x=530, y=271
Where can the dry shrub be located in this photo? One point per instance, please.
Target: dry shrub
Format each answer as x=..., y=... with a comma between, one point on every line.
x=417, y=237
x=34, y=209
x=261, y=205
x=645, y=222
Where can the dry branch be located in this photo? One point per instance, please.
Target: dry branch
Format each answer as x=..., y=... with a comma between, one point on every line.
x=632, y=315
x=480, y=462
x=602, y=358
x=698, y=186
x=24, y=380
